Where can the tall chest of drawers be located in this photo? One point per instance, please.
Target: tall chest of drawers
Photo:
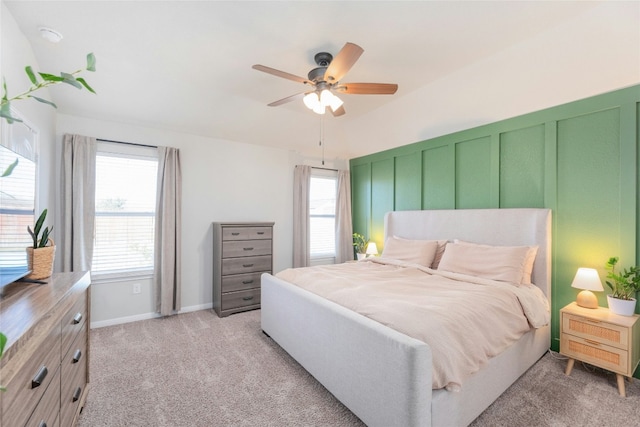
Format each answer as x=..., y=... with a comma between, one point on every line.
x=45, y=367
x=242, y=252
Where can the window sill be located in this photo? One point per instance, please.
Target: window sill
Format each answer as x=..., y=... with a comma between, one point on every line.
x=124, y=276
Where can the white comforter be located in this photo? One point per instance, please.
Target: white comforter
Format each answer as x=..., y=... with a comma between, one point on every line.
x=464, y=319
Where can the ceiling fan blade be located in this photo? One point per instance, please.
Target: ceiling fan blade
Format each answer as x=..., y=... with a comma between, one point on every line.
x=342, y=62
x=367, y=88
x=339, y=112
x=287, y=99
x=279, y=73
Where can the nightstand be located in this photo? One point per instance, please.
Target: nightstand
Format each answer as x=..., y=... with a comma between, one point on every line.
x=600, y=338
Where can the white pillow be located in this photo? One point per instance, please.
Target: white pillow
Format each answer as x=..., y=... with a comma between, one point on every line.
x=512, y=264
x=420, y=252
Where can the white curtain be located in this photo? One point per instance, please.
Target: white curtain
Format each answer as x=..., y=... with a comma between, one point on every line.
x=301, y=187
x=344, y=228
x=78, y=195
x=167, y=265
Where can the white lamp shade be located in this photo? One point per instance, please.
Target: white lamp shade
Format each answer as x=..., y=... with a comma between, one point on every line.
x=311, y=100
x=587, y=278
x=372, y=248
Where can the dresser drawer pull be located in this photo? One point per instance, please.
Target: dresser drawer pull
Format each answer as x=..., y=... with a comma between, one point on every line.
x=592, y=342
x=248, y=249
x=77, y=393
x=246, y=282
x=76, y=356
x=39, y=378
x=260, y=233
x=235, y=234
x=247, y=265
x=42, y=424
x=77, y=318
x=247, y=298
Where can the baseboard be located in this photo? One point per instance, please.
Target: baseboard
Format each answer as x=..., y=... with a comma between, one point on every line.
x=145, y=316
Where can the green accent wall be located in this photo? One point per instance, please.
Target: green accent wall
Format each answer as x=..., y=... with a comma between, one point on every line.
x=579, y=159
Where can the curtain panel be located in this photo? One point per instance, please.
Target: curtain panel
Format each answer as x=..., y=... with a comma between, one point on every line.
x=168, y=233
x=301, y=187
x=78, y=195
x=344, y=227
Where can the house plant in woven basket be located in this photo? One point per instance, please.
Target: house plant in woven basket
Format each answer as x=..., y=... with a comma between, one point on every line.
x=40, y=256
x=624, y=286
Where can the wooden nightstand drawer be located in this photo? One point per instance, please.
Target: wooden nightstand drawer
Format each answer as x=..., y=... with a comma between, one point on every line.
x=240, y=299
x=605, y=356
x=245, y=248
x=246, y=233
x=240, y=282
x=596, y=330
x=246, y=265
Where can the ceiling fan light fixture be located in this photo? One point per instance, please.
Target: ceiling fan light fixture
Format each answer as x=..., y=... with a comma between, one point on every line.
x=319, y=109
x=311, y=100
x=335, y=103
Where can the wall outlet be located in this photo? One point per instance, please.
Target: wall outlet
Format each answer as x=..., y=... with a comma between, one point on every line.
x=136, y=288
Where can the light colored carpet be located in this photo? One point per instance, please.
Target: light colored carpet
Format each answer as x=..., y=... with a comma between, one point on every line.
x=196, y=369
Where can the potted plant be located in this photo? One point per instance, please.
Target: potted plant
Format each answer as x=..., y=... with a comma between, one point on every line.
x=360, y=244
x=40, y=256
x=624, y=286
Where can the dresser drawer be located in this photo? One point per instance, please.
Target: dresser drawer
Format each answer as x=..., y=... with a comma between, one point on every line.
x=246, y=265
x=244, y=248
x=605, y=356
x=47, y=411
x=246, y=233
x=31, y=382
x=73, y=322
x=240, y=282
x=74, y=372
x=595, y=330
x=240, y=299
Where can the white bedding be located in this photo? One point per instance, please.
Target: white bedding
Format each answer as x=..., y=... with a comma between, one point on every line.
x=416, y=301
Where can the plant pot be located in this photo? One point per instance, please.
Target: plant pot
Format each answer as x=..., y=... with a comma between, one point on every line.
x=361, y=256
x=40, y=261
x=622, y=307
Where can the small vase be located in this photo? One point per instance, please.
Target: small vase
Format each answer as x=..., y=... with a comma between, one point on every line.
x=40, y=261
x=622, y=307
x=361, y=256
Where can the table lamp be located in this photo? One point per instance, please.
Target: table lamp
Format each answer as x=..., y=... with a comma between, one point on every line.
x=588, y=280
x=372, y=249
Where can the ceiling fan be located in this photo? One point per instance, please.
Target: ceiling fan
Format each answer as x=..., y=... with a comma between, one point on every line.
x=325, y=80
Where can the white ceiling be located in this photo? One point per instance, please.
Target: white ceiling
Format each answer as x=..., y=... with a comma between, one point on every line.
x=186, y=65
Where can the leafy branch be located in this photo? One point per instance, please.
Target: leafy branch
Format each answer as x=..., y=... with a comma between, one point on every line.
x=42, y=80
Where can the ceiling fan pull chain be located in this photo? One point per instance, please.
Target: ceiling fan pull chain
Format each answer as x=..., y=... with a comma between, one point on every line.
x=322, y=137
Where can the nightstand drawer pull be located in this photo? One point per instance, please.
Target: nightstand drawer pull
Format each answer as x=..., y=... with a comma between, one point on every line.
x=39, y=378
x=77, y=318
x=76, y=394
x=235, y=234
x=592, y=320
x=247, y=265
x=592, y=342
x=76, y=356
x=260, y=233
x=246, y=282
x=247, y=298
x=248, y=249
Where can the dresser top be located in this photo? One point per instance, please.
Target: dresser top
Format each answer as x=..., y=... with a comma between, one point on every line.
x=244, y=224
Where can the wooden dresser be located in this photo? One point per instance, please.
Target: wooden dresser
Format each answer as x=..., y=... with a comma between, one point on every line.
x=242, y=251
x=45, y=366
x=600, y=338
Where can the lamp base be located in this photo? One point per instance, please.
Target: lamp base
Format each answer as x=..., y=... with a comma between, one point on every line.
x=587, y=299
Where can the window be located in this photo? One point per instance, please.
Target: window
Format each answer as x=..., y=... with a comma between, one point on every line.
x=125, y=210
x=322, y=216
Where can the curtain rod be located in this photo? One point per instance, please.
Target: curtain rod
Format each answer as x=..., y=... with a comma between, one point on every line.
x=324, y=169
x=126, y=143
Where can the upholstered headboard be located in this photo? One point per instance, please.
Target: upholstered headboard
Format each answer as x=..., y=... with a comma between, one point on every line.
x=500, y=227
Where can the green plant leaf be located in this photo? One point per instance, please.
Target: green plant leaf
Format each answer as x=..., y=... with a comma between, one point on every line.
x=9, y=170
x=31, y=74
x=5, y=112
x=33, y=236
x=51, y=77
x=39, y=222
x=4, y=90
x=91, y=62
x=3, y=342
x=44, y=101
x=85, y=84
x=70, y=80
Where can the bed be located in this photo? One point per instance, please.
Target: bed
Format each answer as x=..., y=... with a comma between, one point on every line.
x=384, y=376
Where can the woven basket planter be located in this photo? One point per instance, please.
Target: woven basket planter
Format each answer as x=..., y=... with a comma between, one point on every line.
x=40, y=261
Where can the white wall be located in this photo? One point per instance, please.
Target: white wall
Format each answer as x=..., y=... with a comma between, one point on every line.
x=222, y=181
x=16, y=54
